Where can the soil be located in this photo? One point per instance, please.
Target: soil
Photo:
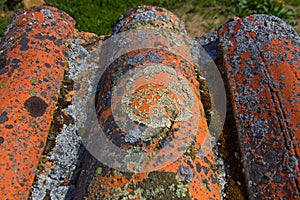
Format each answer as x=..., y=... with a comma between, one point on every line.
x=197, y=24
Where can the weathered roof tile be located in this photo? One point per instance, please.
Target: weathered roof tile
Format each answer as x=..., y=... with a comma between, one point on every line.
x=32, y=41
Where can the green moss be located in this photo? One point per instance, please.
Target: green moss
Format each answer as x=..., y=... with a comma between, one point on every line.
x=32, y=80
x=99, y=170
x=32, y=93
x=163, y=185
x=3, y=85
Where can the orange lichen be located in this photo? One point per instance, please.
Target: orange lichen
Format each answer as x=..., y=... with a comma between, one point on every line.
x=33, y=60
x=160, y=94
x=159, y=90
x=262, y=65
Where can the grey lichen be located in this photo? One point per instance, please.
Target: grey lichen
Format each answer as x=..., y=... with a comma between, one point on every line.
x=180, y=189
x=185, y=173
x=155, y=116
x=144, y=16
x=133, y=136
x=48, y=14
x=65, y=156
x=58, y=179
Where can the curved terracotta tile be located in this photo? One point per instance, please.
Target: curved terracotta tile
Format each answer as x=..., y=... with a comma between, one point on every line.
x=261, y=59
x=61, y=160
x=192, y=175
x=33, y=59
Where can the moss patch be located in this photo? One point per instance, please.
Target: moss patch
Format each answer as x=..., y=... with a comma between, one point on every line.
x=169, y=186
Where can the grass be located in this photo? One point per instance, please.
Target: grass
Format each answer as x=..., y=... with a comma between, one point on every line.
x=98, y=16
x=215, y=10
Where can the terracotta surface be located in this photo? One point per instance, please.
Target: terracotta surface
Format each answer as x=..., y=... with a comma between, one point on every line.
x=40, y=118
x=33, y=61
x=191, y=175
x=261, y=58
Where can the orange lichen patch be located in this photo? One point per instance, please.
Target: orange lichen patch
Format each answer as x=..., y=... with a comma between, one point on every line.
x=70, y=95
x=33, y=57
x=47, y=165
x=198, y=171
x=150, y=92
x=261, y=57
x=86, y=38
